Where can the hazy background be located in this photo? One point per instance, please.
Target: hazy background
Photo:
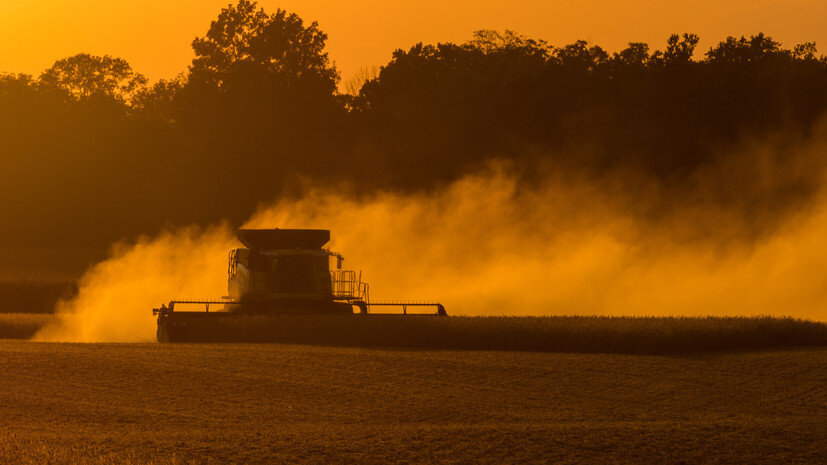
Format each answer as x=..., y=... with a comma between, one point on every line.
x=499, y=172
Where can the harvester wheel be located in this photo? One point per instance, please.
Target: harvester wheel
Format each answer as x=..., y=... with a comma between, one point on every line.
x=363, y=307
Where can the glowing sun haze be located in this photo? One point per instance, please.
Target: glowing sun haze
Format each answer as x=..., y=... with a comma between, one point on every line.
x=155, y=35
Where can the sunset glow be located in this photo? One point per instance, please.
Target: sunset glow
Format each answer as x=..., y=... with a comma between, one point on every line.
x=155, y=35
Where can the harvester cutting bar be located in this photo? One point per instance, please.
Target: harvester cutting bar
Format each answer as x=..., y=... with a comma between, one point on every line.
x=169, y=308
x=440, y=309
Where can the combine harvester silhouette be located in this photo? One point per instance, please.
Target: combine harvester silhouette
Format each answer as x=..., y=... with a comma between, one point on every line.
x=278, y=272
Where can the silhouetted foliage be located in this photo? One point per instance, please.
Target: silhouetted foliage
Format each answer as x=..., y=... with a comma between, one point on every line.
x=86, y=76
x=158, y=100
x=259, y=100
x=92, y=151
x=678, y=49
x=740, y=51
x=247, y=46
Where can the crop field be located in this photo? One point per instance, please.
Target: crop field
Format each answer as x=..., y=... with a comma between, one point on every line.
x=631, y=335
x=22, y=325
x=275, y=403
x=643, y=335
x=31, y=296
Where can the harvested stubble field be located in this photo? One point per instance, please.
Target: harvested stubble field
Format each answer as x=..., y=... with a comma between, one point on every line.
x=273, y=403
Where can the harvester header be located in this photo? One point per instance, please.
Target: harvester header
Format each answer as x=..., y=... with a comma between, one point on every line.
x=279, y=272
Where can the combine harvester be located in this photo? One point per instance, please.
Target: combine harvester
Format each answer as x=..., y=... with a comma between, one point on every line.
x=278, y=272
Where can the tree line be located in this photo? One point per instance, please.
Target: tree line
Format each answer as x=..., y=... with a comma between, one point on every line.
x=93, y=152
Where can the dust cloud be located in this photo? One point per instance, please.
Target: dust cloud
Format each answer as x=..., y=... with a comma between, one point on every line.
x=115, y=297
x=482, y=247
x=492, y=244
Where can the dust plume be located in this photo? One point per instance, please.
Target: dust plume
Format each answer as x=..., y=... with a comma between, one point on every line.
x=492, y=244
x=115, y=297
x=483, y=247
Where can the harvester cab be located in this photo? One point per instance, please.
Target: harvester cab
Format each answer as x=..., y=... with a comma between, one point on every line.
x=288, y=271
x=282, y=272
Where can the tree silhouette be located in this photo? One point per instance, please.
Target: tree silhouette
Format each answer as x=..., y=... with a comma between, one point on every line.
x=490, y=41
x=89, y=143
x=84, y=76
x=636, y=54
x=579, y=57
x=159, y=100
x=806, y=51
x=738, y=51
x=277, y=49
x=680, y=50
x=259, y=100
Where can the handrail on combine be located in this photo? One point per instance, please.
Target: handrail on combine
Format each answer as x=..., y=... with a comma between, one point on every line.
x=346, y=285
x=170, y=307
x=440, y=309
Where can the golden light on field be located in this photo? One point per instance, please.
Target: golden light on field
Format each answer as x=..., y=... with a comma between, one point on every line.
x=155, y=35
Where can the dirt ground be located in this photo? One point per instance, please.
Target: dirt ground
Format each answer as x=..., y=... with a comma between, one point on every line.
x=245, y=403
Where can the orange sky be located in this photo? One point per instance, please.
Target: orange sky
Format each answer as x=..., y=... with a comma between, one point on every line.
x=155, y=35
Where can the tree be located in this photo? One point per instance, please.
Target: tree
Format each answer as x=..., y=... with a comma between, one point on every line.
x=354, y=85
x=636, y=54
x=738, y=51
x=274, y=49
x=261, y=94
x=806, y=51
x=158, y=100
x=84, y=76
x=678, y=50
x=580, y=57
x=490, y=41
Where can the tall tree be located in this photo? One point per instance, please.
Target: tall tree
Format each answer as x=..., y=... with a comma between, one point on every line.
x=84, y=76
x=275, y=49
x=680, y=49
x=734, y=51
x=260, y=102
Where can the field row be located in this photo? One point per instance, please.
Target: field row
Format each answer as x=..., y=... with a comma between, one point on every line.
x=28, y=296
x=22, y=325
x=639, y=335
